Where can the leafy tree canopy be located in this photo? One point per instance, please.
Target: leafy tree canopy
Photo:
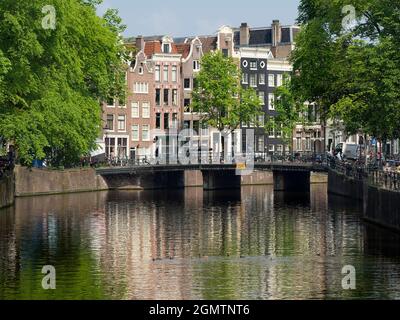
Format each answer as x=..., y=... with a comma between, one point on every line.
x=53, y=79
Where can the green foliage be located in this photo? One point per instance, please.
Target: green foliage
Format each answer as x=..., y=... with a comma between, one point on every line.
x=219, y=97
x=352, y=74
x=290, y=110
x=52, y=81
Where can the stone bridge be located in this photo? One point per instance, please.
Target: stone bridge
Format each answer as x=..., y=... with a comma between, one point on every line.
x=287, y=176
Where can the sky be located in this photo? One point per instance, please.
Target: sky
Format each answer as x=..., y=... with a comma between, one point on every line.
x=180, y=18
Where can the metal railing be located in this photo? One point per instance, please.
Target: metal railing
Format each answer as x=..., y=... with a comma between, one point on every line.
x=216, y=158
x=374, y=174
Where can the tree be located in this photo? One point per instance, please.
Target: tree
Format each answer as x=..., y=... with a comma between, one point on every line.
x=352, y=73
x=219, y=98
x=290, y=110
x=55, y=78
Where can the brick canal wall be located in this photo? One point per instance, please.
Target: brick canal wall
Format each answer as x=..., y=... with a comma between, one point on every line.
x=30, y=182
x=7, y=190
x=380, y=206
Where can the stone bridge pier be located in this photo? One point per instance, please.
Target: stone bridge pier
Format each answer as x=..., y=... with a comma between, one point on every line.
x=292, y=181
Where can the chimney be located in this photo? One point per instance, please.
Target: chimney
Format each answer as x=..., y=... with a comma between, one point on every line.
x=139, y=43
x=244, y=34
x=276, y=33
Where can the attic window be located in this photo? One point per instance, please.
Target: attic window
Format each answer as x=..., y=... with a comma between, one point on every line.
x=141, y=68
x=167, y=48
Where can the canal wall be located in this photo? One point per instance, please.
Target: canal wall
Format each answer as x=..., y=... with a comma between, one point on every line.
x=7, y=190
x=31, y=182
x=380, y=206
x=345, y=186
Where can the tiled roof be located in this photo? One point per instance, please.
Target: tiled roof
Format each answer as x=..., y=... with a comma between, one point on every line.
x=154, y=47
x=209, y=43
x=183, y=49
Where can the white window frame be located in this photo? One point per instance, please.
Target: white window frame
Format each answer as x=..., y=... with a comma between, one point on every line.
x=271, y=101
x=145, y=127
x=253, y=65
x=261, y=78
x=174, y=74
x=165, y=73
x=136, y=126
x=271, y=80
x=145, y=110
x=135, y=110
x=253, y=83
x=119, y=122
x=158, y=73
x=261, y=96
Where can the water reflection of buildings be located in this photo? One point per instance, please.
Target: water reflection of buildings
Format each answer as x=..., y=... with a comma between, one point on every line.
x=188, y=244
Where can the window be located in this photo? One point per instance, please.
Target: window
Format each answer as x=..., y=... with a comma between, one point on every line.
x=110, y=147
x=271, y=101
x=271, y=131
x=121, y=103
x=158, y=74
x=253, y=80
x=245, y=78
x=261, y=95
x=186, y=124
x=271, y=80
x=298, y=144
x=135, y=132
x=260, y=143
x=165, y=74
x=110, y=102
x=140, y=87
x=175, y=97
x=253, y=65
x=186, y=84
x=166, y=48
x=158, y=120
x=261, y=120
x=175, y=121
x=261, y=78
x=122, y=147
x=121, y=123
x=225, y=52
x=196, y=65
x=158, y=97
x=110, y=122
x=145, y=132
x=279, y=80
x=166, y=97
x=166, y=120
x=174, y=74
x=186, y=104
x=141, y=69
x=271, y=148
x=145, y=110
x=308, y=143
x=135, y=110
x=279, y=132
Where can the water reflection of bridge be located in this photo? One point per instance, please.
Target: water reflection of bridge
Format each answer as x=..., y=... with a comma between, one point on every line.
x=287, y=176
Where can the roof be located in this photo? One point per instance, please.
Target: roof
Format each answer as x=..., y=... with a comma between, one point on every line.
x=183, y=49
x=208, y=43
x=154, y=47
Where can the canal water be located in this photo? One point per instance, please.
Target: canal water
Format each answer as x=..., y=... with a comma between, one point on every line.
x=190, y=244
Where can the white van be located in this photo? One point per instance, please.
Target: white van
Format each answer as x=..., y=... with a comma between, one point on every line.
x=348, y=151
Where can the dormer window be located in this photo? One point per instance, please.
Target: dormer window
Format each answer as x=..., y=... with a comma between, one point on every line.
x=167, y=44
x=167, y=48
